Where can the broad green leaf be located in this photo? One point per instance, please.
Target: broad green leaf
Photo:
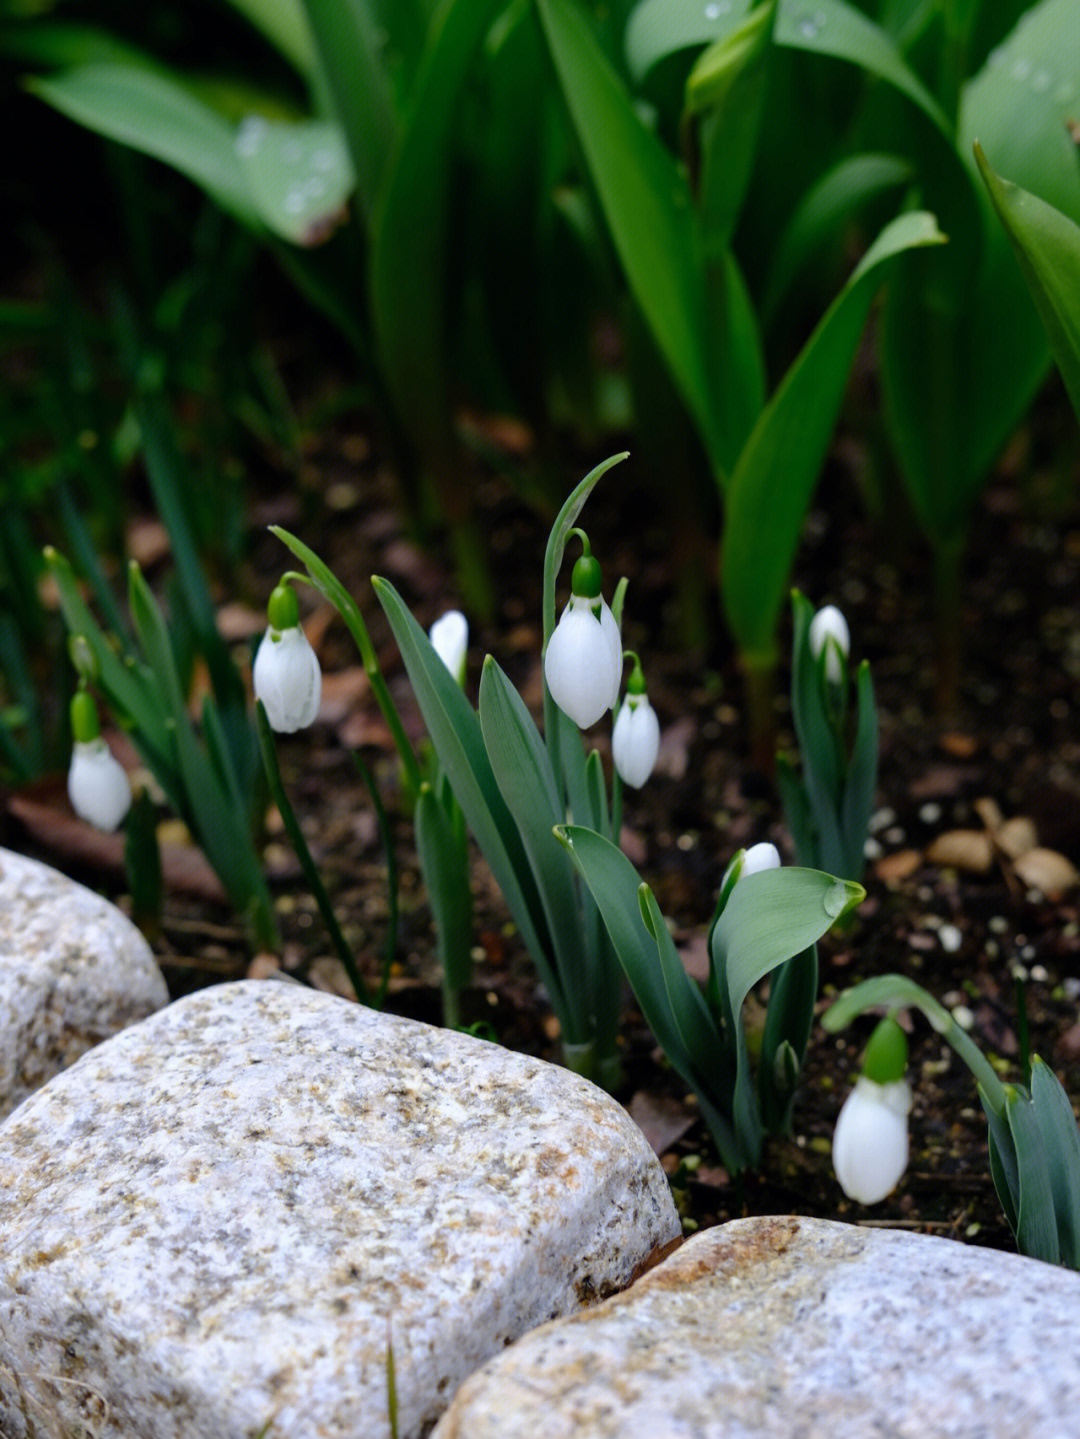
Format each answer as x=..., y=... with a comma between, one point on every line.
x=284, y=23
x=1047, y=246
x=455, y=733
x=659, y=28
x=154, y=114
x=769, y=918
x=1020, y=105
x=298, y=173
x=1036, y=1230
x=647, y=205
x=822, y=215
x=1061, y=1136
x=444, y=865
x=410, y=236
x=58, y=45
x=347, y=40
x=774, y=478
x=523, y=773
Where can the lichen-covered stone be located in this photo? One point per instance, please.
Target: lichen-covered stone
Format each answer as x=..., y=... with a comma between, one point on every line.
x=73, y=971
x=213, y=1224
x=799, y=1329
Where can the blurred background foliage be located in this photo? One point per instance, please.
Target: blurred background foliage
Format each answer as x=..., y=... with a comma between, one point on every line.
x=207, y=195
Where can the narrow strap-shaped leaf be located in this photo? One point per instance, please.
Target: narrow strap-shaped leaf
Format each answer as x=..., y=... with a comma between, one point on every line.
x=1003, y=1170
x=446, y=879
x=347, y=40
x=1062, y=1139
x=646, y=202
x=788, y=1020
x=689, y=1012
x=775, y=476
x=860, y=786
x=1036, y=1229
x=523, y=773
x=797, y=811
x=455, y=733
x=821, y=767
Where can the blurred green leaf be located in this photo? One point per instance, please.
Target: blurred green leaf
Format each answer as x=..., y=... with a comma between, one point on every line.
x=647, y=204
x=775, y=476
x=154, y=114
x=1036, y=1231
x=1047, y=246
x=298, y=173
x=284, y=23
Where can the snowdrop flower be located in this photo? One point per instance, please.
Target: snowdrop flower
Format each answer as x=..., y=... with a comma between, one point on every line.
x=870, y=1142
x=286, y=672
x=583, y=661
x=635, y=740
x=759, y=857
x=829, y=632
x=449, y=636
x=97, y=785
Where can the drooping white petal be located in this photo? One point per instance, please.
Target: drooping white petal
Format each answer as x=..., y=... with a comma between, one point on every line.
x=635, y=740
x=97, y=785
x=583, y=663
x=829, y=632
x=759, y=857
x=870, y=1142
x=287, y=679
x=449, y=636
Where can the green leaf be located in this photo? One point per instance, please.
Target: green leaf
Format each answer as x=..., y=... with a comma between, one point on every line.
x=1036, y=1231
x=1058, y=1126
x=409, y=229
x=860, y=785
x=788, y=1021
x=1003, y=1170
x=523, y=773
x=1020, y=104
x=444, y=865
x=774, y=478
x=690, y=1014
x=829, y=27
x=152, y=112
x=769, y=918
x=647, y=204
x=455, y=733
x=347, y=39
x=298, y=174
x=1047, y=246
x=822, y=764
x=822, y=215
x=284, y=23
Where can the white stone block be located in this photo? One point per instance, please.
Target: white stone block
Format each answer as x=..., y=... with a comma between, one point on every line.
x=212, y=1224
x=774, y=1328
x=73, y=971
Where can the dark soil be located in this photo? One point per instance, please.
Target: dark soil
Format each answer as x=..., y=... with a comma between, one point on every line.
x=965, y=936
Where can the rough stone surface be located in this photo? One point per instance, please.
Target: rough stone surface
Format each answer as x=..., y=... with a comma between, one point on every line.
x=212, y=1223
x=795, y=1329
x=73, y=971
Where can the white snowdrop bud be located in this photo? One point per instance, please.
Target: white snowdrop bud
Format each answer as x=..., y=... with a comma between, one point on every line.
x=829, y=632
x=286, y=673
x=449, y=636
x=97, y=785
x=635, y=740
x=759, y=857
x=870, y=1142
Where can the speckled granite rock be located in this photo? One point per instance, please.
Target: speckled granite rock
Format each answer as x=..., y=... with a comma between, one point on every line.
x=799, y=1329
x=211, y=1223
x=73, y=970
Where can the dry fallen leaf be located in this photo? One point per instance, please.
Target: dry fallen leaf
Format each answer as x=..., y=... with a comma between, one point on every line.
x=1047, y=871
x=894, y=867
x=971, y=850
x=1016, y=836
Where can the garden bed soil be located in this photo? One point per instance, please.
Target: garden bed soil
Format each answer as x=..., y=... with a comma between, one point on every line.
x=964, y=934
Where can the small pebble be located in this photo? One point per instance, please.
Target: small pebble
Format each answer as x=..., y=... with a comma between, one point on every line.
x=1071, y=988
x=950, y=938
x=894, y=835
x=996, y=924
x=881, y=819
x=930, y=813
x=963, y=1016
x=1039, y=974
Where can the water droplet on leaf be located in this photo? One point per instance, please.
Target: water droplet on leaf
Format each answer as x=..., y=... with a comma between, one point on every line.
x=836, y=899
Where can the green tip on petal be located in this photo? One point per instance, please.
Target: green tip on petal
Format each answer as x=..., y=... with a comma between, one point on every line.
x=886, y=1054
x=84, y=718
x=283, y=612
